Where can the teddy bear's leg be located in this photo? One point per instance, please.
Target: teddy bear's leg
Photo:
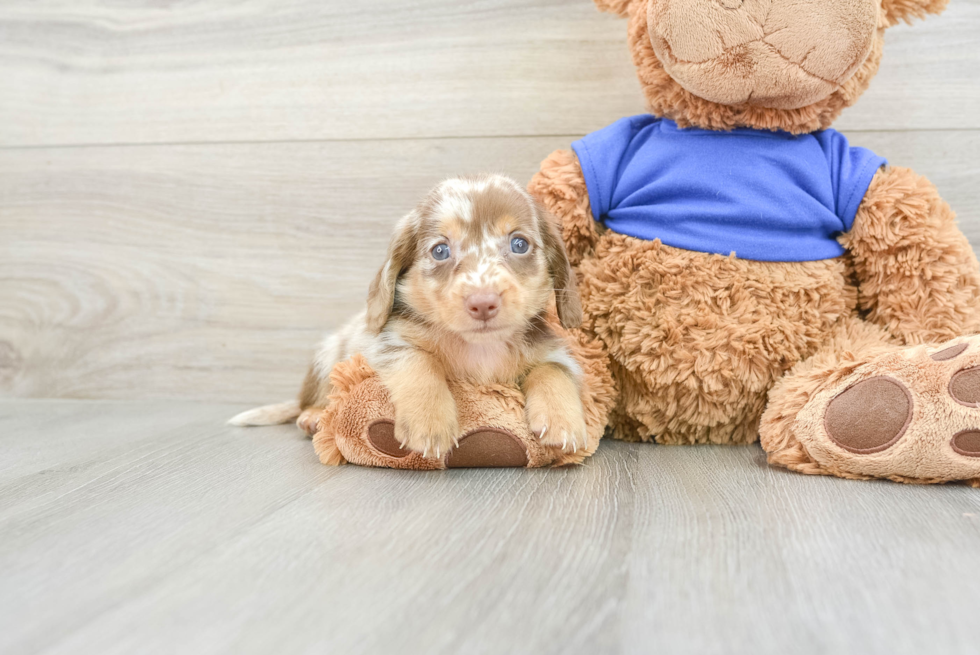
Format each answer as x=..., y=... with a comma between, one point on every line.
x=917, y=275
x=791, y=393
x=358, y=424
x=865, y=407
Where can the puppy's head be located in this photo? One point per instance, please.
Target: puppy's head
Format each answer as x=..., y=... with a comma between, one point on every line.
x=478, y=257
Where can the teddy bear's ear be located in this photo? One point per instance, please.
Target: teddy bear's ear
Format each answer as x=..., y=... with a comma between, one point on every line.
x=619, y=7
x=899, y=10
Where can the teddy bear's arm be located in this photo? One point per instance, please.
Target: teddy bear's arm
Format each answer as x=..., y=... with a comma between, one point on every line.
x=560, y=186
x=917, y=274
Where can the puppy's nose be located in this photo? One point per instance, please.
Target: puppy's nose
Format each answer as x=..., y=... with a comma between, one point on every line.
x=483, y=306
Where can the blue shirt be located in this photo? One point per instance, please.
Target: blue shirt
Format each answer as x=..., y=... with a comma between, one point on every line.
x=768, y=196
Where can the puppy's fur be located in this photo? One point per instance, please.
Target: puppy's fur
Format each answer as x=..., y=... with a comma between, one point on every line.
x=457, y=299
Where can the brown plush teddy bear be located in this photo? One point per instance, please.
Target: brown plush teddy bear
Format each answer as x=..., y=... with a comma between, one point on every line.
x=744, y=271
x=752, y=274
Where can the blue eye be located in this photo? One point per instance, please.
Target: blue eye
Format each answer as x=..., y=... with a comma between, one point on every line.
x=440, y=252
x=519, y=245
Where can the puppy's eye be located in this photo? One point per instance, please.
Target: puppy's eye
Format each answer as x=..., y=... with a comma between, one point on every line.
x=519, y=245
x=440, y=252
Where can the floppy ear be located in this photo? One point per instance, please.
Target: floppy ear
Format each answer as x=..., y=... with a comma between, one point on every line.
x=401, y=253
x=619, y=7
x=562, y=276
x=899, y=10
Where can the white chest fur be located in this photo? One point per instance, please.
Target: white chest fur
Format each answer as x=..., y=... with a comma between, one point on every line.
x=484, y=362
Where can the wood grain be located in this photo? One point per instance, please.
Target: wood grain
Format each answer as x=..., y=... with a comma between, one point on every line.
x=98, y=72
x=738, y=554
x=211, y=271
x=202, y=271
x=176, y=534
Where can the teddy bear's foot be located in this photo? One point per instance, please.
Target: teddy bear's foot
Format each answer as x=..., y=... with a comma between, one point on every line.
x=908, y=414
x=480, y=448
x=358, y=425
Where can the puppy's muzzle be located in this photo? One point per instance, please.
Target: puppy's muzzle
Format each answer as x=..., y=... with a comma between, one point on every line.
x=483, y=305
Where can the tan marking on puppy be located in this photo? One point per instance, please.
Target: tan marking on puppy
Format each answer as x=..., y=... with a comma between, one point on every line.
x=505, y=225
x=462, y=295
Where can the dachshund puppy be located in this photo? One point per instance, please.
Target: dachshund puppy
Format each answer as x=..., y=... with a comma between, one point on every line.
x=463, y=295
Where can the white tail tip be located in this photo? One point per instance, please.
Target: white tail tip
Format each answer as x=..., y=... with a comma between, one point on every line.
x=268, y=415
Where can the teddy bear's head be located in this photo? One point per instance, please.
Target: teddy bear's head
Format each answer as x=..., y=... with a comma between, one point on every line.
x=792, y=65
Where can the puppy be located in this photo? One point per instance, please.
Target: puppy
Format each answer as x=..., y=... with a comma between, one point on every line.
x=463, y=295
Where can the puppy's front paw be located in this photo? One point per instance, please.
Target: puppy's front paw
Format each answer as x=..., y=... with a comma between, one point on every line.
x=431, y=431
x=557, y=424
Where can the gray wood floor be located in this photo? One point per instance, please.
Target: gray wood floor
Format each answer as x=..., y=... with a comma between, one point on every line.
x=149, y=527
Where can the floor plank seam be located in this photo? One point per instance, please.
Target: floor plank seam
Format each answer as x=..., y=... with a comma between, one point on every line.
x=395, y=139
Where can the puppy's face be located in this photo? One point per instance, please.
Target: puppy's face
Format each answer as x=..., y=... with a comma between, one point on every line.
x=479, y=258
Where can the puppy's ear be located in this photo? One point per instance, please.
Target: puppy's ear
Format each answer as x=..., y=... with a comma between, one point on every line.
x=401, y=253
x=899, y=10
x=562, y=276
x=619, y=7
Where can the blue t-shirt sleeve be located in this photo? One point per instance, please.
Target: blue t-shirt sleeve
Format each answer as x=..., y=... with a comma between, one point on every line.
x=600, y=155
x=851, y=172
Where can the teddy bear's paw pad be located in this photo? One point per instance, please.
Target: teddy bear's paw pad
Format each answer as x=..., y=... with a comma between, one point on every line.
x=909, y=414
x=965, y=387
x=381, y=434
x=947, y=354
x=967, y=443
x=869, y=416
x=488, y=448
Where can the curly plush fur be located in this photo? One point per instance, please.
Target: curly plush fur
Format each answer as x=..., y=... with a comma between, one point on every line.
x=712, y=349
x=917, y=275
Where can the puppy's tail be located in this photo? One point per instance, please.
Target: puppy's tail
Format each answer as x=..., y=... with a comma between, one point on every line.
x=268, y=415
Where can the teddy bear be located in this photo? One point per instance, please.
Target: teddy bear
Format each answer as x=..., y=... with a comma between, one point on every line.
x=753, y=276
x=746, y=274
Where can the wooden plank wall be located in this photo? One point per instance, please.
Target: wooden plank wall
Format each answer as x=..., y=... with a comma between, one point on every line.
x=192, y=193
